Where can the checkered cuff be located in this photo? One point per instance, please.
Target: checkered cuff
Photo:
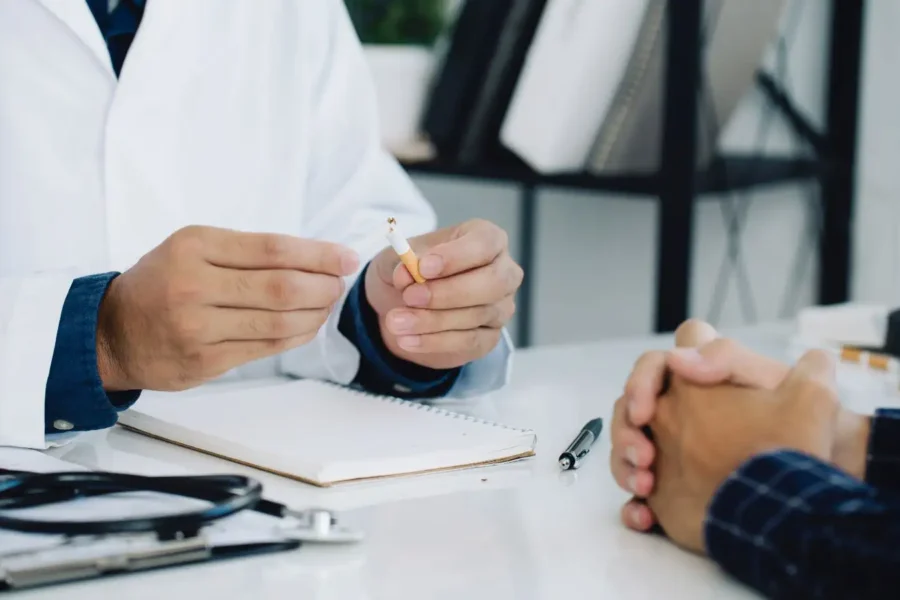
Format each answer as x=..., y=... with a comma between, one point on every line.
x=883, y=455
x=761, y=518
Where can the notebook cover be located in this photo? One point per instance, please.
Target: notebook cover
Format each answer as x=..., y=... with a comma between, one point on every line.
x=327, y=484
x=568, y=81
x=630, y=140
x=473, y=42
x=297, y=444
x=480, y=139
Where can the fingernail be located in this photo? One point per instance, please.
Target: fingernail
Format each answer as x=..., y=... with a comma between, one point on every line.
x=631, y=455
x=635, y=515
x=632, y=410
x=402, y=322
x=349, y=263
x=688, y=354
x=632, y=483
x=417, y=295
x=409, y=342
x=431, y=266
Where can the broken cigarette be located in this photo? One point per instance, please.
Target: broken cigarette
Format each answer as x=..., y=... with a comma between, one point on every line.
x=401, y=247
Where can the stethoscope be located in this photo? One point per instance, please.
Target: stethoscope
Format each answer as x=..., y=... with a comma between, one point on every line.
x=226, y=495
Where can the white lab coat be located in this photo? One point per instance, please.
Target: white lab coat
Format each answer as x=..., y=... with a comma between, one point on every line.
x=245, y=114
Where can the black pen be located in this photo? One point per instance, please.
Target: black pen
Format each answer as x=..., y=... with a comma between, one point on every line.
x=573, y=455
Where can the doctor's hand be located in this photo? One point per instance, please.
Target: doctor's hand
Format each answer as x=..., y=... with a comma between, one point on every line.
x=458, y=314
x=701, y=357
x=207, y=300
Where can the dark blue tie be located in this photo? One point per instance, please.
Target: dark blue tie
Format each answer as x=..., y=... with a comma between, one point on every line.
x=118, y=27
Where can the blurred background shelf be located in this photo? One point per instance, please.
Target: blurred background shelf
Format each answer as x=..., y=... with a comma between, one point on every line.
x=725, y=174
x=677, y=184
x=827, y=162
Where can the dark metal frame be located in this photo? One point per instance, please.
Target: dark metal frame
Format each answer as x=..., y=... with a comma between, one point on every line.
x=838, y=188
x=678, y=184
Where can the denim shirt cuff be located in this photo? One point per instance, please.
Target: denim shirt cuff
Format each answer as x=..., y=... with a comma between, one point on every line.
x=380, y=372
x=75, y=399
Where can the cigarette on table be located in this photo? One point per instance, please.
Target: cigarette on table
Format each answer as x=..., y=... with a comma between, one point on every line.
x=851, y=354
x=401, y=247
x=874, y=360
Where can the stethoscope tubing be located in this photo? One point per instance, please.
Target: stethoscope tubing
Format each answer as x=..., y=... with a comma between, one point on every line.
x=228, y=494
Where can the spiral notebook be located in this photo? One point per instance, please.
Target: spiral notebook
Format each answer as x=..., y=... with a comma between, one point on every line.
x=324, y=434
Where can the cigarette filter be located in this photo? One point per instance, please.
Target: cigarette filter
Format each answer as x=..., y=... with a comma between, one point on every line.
x=401, y=247
x=851, y=354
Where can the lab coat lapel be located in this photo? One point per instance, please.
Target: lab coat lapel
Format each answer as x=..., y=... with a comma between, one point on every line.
x=76, y=15
x=143, y=203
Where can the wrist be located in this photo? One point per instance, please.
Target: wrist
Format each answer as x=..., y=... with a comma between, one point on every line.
x=851, y=443
x=383, y=361
x=373, y=320
x=109, y=363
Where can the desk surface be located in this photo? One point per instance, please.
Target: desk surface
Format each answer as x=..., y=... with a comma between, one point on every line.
x=522, y=531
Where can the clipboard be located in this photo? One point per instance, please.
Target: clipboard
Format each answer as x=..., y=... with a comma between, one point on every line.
x=78, y=560
x=30, y=561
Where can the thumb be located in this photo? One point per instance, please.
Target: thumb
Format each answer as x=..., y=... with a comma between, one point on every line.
x=810, y=407
x=402, y=278
x=384, y=264
x=814, y=367
x=689, y=336
x=694, y=333
x=724, y=360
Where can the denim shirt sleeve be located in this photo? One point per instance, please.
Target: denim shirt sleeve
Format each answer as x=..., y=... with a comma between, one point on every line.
x=75, y=399
x=380, y=372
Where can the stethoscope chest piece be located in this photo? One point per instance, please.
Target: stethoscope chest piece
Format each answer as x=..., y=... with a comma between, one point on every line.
x=319, y=526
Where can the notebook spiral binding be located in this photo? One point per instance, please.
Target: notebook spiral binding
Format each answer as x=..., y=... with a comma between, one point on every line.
x=415, y=405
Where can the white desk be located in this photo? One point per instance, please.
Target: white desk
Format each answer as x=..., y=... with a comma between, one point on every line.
x=521, y=531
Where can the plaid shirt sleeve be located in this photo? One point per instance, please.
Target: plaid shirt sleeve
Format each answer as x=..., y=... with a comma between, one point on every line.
x=791, y=526
x=883, y=458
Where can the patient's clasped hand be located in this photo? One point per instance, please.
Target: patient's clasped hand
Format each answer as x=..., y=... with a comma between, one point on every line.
x=709, y=406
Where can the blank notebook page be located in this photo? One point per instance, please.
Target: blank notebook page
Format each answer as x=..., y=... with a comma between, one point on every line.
x=324, y=434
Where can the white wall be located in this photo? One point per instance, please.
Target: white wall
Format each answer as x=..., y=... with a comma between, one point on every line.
x=608, y=289
x=876, y=260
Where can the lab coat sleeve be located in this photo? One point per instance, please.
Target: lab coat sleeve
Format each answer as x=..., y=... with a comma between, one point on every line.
x=30, y=308
x=354, y=186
